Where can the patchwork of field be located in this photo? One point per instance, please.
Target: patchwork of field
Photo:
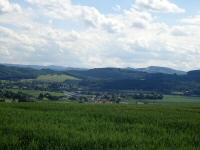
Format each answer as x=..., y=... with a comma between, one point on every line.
x=89, y=126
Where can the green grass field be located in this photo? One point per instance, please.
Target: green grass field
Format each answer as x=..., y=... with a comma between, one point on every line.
x=88, y=126
x=171, y=99
x=56, y=78
x=175, y=98
x=35, y=93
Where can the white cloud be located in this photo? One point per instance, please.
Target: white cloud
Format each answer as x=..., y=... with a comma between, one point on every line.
x=7, y=7
x=179, y=31
x=192, y=20
x=158, y=6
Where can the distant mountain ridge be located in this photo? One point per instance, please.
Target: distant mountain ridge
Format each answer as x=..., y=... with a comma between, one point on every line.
x=150, y=69
x=164, y=70
x=113, y=78
x=39, y=67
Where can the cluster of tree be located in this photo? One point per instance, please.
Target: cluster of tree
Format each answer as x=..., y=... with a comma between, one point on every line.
x=19, y=96
x=23, y=97
x=150, y=96
x=48, y=96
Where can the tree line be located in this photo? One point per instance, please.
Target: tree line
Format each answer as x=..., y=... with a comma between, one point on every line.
x=23, y=97
x=18, y=96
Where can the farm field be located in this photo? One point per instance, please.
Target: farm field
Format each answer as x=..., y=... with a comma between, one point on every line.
x=55, y=78
x=175, y=98
x=90, y=126
x=170, y=99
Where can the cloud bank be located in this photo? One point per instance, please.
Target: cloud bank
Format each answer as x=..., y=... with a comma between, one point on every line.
x=6, y=7
x=60, y=32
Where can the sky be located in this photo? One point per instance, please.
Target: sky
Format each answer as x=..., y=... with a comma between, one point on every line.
x=101, y=33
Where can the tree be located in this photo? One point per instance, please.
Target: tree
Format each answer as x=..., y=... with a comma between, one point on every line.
x=41, y=96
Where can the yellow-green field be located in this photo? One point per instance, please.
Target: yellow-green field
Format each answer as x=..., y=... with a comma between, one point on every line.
x=56, y=78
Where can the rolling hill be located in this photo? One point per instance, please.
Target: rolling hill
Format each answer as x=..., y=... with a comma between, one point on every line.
x=39, y=67
x=157, y=69
x=109, y=78
x=16, y=73
x=108, y=74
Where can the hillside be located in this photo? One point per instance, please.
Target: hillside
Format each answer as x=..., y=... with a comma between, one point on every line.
x=194, y=75
x=157, y=69
x=126, y=79
x=109, y=78
x=108, y=74
x=16, y=73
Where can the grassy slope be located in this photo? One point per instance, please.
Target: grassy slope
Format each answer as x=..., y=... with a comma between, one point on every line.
x=56, y=78
x=75, y=126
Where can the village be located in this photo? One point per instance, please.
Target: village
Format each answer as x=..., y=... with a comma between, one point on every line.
x=117, y=97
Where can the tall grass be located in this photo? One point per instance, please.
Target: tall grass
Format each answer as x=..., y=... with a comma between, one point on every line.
x=87, y=126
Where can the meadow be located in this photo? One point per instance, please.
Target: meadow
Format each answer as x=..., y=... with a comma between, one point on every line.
x=94, y=126
x=169, y=99
x=55, y=78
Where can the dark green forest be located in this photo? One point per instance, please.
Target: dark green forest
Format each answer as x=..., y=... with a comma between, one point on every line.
x=110, y=79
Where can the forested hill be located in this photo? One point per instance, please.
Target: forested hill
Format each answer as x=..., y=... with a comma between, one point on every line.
x=104, y=74
x=126, y=79
x=119, y=74
x=164, y=70
x=108, y=74
x=194, y=75
x=14, y=73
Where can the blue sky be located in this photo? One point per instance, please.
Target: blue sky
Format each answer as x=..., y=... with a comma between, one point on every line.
x=101, y=33
x=105, y=6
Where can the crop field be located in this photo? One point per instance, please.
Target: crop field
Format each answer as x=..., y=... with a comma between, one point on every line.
x=56, y=78
x=177, y=99
x=89, y=126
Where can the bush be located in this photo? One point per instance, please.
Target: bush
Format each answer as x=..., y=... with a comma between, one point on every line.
x=2, y=100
